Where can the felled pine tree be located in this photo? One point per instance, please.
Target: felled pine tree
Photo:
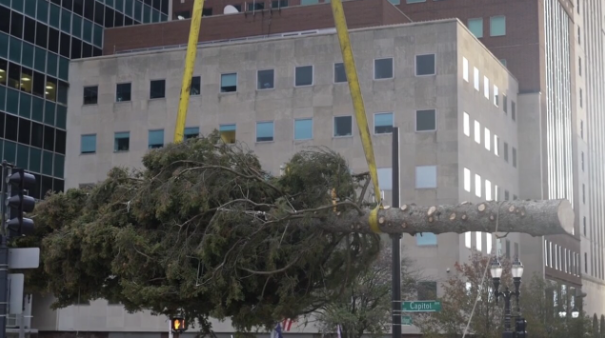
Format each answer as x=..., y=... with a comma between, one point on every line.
x=202, y=230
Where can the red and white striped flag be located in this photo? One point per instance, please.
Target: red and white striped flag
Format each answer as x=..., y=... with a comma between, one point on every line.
x=287, y=324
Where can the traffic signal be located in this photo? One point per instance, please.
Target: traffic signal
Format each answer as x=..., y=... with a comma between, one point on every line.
x=520, y=327
x=177, y=325
x=20, y=203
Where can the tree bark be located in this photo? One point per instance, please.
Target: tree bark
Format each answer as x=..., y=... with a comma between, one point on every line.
x=536, y=218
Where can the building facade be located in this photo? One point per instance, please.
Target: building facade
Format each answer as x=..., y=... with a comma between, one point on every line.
x=450, y=97
x=37, y=40
x=543, y=43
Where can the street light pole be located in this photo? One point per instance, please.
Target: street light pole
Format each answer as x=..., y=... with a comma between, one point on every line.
x=507, y=295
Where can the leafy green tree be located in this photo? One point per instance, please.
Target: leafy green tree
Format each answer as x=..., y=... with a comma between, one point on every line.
x=541, y=302
x=364, y=307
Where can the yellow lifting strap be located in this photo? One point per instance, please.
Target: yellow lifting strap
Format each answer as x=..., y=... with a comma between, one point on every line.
x=194, y=33
x=360, y=113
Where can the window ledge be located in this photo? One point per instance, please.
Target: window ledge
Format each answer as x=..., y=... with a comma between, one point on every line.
x=227, y=93
x=264, y=142
x=345, y=136
x=120, y=151
x=90, y=104
x=157, y=98
x=427, y=245
x=384, y=79
x=88, y=153
x=304, y=86
x=265, y=89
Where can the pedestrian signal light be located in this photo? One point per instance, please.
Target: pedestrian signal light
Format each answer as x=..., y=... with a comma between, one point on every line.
x=178, y=325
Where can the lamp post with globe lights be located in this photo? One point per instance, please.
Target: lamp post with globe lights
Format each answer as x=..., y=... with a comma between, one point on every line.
x=517, y=272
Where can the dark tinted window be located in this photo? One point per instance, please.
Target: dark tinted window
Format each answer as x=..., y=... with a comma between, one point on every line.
x=157, y=89
x=91, y=95
x=24, y=131
x=16, y=24
x=339, y=73
x=12, y=125
x=29, y=33
x=425, y=64
x=49, y=138
x=37, y=135
x=123, y=92
x=425, y=120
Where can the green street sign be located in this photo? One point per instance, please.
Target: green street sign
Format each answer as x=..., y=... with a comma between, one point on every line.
x=406, y=320
x=421, y=306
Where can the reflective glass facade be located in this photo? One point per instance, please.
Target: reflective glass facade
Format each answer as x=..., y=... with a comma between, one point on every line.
x=558, y=102
x=37, y=40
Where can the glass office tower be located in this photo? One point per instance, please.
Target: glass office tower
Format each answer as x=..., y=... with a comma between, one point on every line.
x=37, y=40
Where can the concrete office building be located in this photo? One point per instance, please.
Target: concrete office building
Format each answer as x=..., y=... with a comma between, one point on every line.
x=452, y=99
x=37, y=40
x=547, y=45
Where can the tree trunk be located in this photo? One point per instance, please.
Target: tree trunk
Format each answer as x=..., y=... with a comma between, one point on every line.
x=536, y=218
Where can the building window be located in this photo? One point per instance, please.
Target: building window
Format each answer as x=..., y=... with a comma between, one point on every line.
x=385, y=178
x=477, y=132
x=513, y=110
x=477, y=185
x=426, y=238
x=426, y=177
x=476, y=27
x=156, y=138
x=496, y=145
x=476, y=78
x=580, y=66
x=579, y=37
x=303, y=129
x=121, y=141
x=228, y=83
x=196, y=85
x=468, y=239
x=383, y=69
x=88, y=144
x=308, y=2
x=264, y=131
x=227, y=132
x=496, y=103
x=466, y=124
x=425, y=120
x=584, y=223
x=582, y=129
x=503, y=62
x=497, y=25
x=426, y=290
x=465, y=69
x=340, y=74
x=303, y=76
x=488, y=242
x=488, y=139
x=514, y=157
x=414, y=1
x=123, y=92
x=258, y=6
x=486, y=87
x=496, y=193
x=425, y=65
x=157, y=89
x=505, y=151
x=91, y=95
x=580, y=97
x=478, y=241
x=343, y=126
x=506, y=195
x=582, y=161
x=488, y=190
x=467, y=180
x=191, y=132
x=383, y=123
x=583, y=193
x=205, y=11
x=265, y=79
x=504, y=104
x=279, y=3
